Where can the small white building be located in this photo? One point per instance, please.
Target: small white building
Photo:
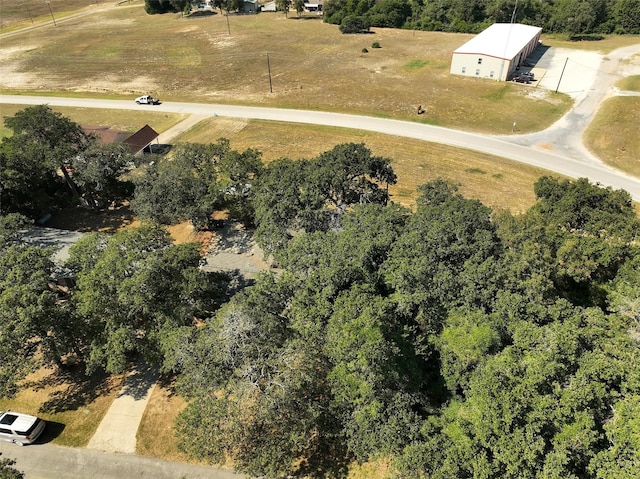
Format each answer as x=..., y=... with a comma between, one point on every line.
x=496, y=52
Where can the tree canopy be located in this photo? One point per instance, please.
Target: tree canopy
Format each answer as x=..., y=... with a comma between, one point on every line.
x=445, y=341
x=572, y=17
x=456, y=342
x=49, y=162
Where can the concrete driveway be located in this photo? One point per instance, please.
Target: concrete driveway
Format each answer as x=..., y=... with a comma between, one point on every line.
x=60, y=240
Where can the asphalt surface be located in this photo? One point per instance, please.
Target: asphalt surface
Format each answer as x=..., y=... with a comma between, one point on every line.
x=566, y=156
x=45, y=461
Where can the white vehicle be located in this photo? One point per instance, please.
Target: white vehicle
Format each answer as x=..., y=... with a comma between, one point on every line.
x=20, y=428
x=147, y=100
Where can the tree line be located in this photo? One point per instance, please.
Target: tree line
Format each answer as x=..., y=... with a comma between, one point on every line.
x=572, y=17
x=447, y=340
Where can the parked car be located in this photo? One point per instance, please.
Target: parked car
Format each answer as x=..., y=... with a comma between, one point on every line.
x=20, y=428
x=521, y=78
x=147, y=100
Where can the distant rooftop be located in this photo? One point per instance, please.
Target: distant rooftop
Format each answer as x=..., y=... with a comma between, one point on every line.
x=141, y=139
x=500, y=40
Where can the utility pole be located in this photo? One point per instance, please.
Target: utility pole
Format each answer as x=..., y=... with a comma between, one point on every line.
x=562, y=73
x=51, y=12
x=269, y=71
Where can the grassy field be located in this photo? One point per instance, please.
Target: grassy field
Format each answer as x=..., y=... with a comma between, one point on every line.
x=156, y=436
x=613, y=134
x=15, y=14
x=123, y=120
x=72, y=404
x=631, y=83
x=602, y=44
x=123, y=51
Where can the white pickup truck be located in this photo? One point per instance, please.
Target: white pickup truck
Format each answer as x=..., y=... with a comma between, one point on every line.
x=147, y=100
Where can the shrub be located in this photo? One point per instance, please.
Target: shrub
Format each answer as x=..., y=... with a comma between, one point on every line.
x=364, y=50
x=354, y=24
x=375, y=45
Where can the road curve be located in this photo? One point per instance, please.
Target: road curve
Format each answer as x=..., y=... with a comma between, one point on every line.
x=501, y=147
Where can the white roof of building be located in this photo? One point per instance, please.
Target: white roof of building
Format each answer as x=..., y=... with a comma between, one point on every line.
x=500, y=40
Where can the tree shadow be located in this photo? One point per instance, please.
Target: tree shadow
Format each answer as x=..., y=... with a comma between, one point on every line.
x=587, y=37
x=79, y=389
x=202, y=13
x=307, y=17
x=138, y=382
x=168, y=383
x=107, y=220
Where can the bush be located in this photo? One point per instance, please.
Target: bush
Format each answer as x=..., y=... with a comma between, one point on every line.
x=375, y=45
x=364, y=50
x=354, y=24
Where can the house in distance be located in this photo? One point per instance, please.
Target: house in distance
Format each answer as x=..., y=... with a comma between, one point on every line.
x=496, y=52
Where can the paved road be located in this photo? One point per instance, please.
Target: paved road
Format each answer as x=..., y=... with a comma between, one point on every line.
x=565, y=136
x=558, y=161
x=45, y=461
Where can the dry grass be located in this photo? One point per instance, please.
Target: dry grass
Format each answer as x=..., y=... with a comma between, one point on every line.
x=499, y=183
x=72, y=404
x=612, y=135
x=369, y=470
x=185, y=233
x=16, y=14
x=156, y=436
x=630, y=83
x=313, y=66
x=123, y=120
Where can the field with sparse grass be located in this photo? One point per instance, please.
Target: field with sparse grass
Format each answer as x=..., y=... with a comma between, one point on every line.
x=16, y=14
x=72, y=404
x=123, y=120
x=630, y=83
x=613, y=134
x=124, y=52
x=598, y=43
x=156, y=437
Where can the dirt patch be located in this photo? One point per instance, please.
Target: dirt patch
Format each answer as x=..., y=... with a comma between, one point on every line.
x=185, y=233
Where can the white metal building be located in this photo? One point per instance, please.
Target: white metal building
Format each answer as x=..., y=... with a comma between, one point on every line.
x=496, y=52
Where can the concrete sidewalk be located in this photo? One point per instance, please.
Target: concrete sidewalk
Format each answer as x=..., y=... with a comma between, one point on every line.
x=178, y=129
x=118, y=429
